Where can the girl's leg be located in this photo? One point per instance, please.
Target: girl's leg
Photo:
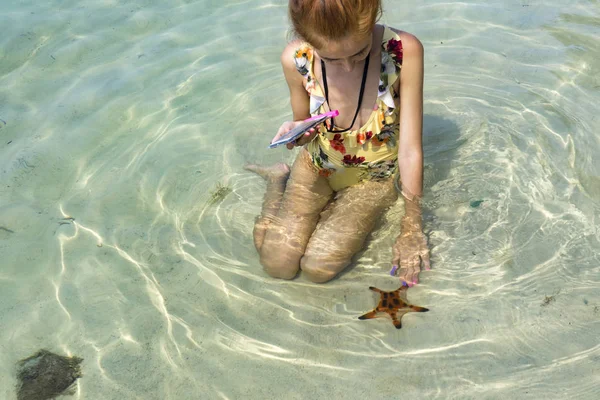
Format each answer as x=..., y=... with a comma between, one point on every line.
x=286, y=234
x=342, y=231
x=276, y=177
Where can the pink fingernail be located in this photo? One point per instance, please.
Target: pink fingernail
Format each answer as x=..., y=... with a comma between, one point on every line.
x=415, y=282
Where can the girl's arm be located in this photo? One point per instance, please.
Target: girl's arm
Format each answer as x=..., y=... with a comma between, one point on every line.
x=411, y=245
x=298, y=95
x=410, y=149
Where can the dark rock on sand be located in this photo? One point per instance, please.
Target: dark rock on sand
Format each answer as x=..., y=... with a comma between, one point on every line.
x=45, y=375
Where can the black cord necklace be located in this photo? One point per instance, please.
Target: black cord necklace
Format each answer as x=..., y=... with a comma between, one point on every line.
x=360, y=95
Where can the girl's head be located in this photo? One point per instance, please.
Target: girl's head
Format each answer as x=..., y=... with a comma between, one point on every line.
x=321, y=22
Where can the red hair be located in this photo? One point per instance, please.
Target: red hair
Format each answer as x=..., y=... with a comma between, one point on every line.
x=317, y=21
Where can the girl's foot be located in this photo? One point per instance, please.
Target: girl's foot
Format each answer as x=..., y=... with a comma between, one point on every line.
x=273, y=173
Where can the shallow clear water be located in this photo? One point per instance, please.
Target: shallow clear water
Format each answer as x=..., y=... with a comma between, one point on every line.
x=126, y=117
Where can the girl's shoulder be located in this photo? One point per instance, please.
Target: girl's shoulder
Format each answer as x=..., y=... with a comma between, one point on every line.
x=401, y=41
x=298, y=55
x=292, y=46
x=400, y=49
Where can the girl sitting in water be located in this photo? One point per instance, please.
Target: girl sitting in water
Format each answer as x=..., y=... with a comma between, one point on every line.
x=318, y=215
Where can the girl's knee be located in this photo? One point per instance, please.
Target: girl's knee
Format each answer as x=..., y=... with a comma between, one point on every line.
x=319, y=270
x=280, y=265
x=260, y=229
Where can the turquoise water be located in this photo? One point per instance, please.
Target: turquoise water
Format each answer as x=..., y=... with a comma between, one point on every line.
x=118, y=121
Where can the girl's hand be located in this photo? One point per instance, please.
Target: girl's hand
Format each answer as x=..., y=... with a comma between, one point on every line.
x=409, y=251
x=288, y=126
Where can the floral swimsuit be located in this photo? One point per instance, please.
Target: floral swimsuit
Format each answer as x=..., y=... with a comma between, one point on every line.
x=370, y=152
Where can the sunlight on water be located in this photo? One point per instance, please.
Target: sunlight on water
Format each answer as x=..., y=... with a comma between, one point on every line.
x=126, y=216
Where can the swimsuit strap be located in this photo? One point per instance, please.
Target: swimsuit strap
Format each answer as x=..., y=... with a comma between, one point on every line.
x=360, y=95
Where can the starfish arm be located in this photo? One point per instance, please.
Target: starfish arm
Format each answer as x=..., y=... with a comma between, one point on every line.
x=419, y=309
x=401, y=314
x=375, y=289
x=395, y=320
x=369, y=315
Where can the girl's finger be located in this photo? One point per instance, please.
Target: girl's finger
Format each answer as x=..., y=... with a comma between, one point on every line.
x=404, y=280
x=413, y=271
x=425, y=259
x=396, y=258
x=405, y=274
x=306, y=137
x=282, y=130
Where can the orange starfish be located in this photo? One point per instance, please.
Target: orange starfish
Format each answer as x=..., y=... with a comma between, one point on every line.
x=394, y=304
